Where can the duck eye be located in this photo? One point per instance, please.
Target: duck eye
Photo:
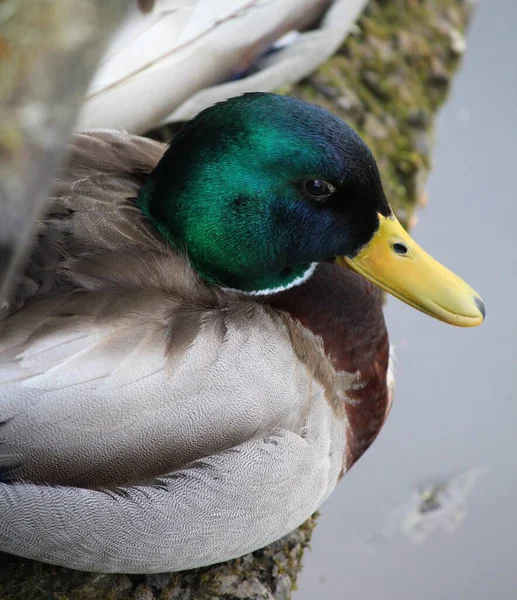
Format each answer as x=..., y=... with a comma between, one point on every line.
x=317, y=188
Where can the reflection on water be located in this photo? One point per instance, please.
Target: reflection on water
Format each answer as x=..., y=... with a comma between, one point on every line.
x=456, y=402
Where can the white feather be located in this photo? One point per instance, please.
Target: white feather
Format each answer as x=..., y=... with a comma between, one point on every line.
x=170, y=64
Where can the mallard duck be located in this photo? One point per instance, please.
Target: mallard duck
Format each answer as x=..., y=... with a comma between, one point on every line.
x=196, y=353
x=181, y=56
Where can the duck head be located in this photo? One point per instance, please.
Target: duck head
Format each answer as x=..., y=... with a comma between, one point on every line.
x=261, y=188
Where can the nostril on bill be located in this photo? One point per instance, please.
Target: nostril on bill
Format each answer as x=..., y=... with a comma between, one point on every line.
x=399, y=248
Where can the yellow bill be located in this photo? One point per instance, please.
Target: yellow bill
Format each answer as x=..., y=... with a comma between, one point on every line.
x=394, y=262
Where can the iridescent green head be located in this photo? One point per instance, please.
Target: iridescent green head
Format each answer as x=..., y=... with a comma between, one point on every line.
x=260, y=187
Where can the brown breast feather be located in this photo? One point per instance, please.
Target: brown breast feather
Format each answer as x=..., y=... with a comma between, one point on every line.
x=344, y=311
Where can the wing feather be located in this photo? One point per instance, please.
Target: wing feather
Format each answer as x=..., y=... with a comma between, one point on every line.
x=231, y=504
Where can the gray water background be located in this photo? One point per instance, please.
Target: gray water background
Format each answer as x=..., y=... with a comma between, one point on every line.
x=455, y=407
